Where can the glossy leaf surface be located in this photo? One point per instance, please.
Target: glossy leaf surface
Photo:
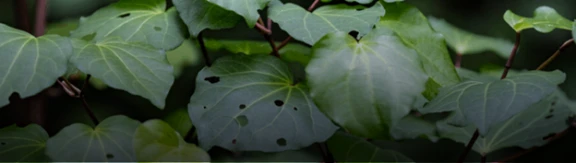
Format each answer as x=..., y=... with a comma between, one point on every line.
x=23, y=144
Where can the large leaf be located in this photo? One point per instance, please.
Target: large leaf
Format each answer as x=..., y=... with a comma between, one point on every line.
x=110, y=141
x=310, y=27
x=365, y=86
x=413, y=27
x=23, y=144
x=246, y=8
x=28, y=64
x=135, y=20
x=250, y=103
x=545, y=20
x=347, y=148
x=137, y=68
x=156, y=141
x=201, y=14
x=485, y=104
x=464, y=42
x=291, y=52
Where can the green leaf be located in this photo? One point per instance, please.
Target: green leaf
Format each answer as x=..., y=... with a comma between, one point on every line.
x=185, y=55
x=411, y=127
x=135, y=21
x=311, y=27
x=464, y=42
x=545, y=20
x=155, y=140
x=62, y=28
x=28, y=64
x=378, y=76
x=111, y=140
x=257, y=107
x=485, y=104
x=179, y=121
x=291, y=52
x=526, y=129
x=574, y=31
x=411, y=25
x=23, y=144
x=137, y=68
x=199, y=15
x=246, y=8
x=309, y=154
x=347, y=148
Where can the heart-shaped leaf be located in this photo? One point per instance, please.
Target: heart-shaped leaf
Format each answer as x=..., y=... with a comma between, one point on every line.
x=135, y=21
x=28, y=64
x=23, y=144
x=310, y=27
x=485, y=104
x=246, y=8
x=201, y=14
x=156, y=141
x=250, y=103
x=137, y=68
x=464, y=42
x=545, y=20
x=291, y=52
x=348, y=148
x=365, y=86
x=111, y=140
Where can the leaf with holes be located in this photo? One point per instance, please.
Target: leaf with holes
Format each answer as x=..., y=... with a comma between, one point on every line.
x=156, y=141
x=485, y=104
x=526, y=129
x=246, y=8
x=250, y=103
x=348, y=148
x=28, y=64
x=23, y=144
x=137, y=68
x=110, y=141
x=310, y=27
x=411, y=127
x=545, y=20
x=414, y=30
x=145, y=21
x=199, y=15
x=291, y=52
x=463, y=42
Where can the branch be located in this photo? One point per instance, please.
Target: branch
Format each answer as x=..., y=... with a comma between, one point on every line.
x=21, y=15
x=469, y=146
x=263, y=29
x=268, y=37
x=562, y=48
x=458, y=60
x=310, y=9
x=40, y=26
x=200, y=38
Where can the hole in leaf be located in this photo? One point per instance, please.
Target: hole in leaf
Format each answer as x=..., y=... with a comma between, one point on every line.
x=89, y=37
x=354, y=34
x=212, y=79
x=549, y=116
x=553, y=103
x=2, y=143
x=233, y=141
x=295, y=109
x=124, y=15
x=109, y=156
x=549, y=136
x=279, y=102
x=242, y=106
x=242, y=120
x=157, y=29
x=281, y=142
x=205, y=107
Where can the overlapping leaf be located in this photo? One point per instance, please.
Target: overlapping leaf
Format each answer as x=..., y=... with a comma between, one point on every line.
x=156, y=141
x=201, y=14
x=291, y=52
x=485, y=104
x=137, y=68
x=246, y=8
x=250, y=103
x=179, y=121
x=464, y=42
x=347, y=148
x=310, y=27
x=28, y=64
x=136, y=21
x=411, y=127
x=545, y=20
x=23, y=144
x=110, y=141
x=365, y=86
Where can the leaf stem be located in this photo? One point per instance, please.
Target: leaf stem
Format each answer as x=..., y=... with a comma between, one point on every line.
x=483, y=159
x=458, y=61
x=267, y=33
x=21, y=15
x=326, y=154
x=85, y=103
x=40, y=26
x=263, y=29
x=469, y=146
x=310, y=9
x=512, y=56
x=551, y=58
x=200, y=38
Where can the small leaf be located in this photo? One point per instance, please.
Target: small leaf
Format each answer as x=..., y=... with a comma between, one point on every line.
x=378, y=76
x=199, y=15
x=411, y=127
x=28, y=64
x=135, y=21
x=485, y=104
x=179, y=121
x=23, y=144
x=291, y=52
x=137, y=68
x=246, y=8
x=156, y=141
x=347, y=148
x=256, y=105
x=110, y=141
x=464, y=42
x=545, y=20
x=310, y=27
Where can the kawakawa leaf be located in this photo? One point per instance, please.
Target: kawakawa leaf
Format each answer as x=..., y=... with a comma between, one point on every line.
x=411, y=127
x=199, y=15
x=463, y=42
x=137, y=68
x=545, y=20
x=526, y=129
x=28, y=64
x=310, y=27
x=25, y=144
x=365, y=1
x=246, y=8
x=347, y=148
x=135, y=21
x=365, y=86
x=485, y=104
x=250, y=103
x=291, y=52
x=179, y=120
x=413, y=28
x=156, y=141
x=110, y=141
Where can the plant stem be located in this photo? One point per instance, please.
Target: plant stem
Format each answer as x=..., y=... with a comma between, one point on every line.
x=313, y=5
x=40, y=26
x=562, y=48
x=326, y=155
x=268, y=36
x=21, y=15
x=483, y=159
x=263, y=29
x=469, y=146
x=458, y=60
x=310, y=9
x=200, y=38
x=512, y=56
x=269, y=24
x=85, y=103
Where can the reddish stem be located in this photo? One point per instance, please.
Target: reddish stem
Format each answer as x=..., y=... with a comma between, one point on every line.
x=512, y=56
x=562, y=48
x=310, y=9
x=40, y=26
x=21, y=15
x=268, y=36
x=458, y=60
x=469, y=146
